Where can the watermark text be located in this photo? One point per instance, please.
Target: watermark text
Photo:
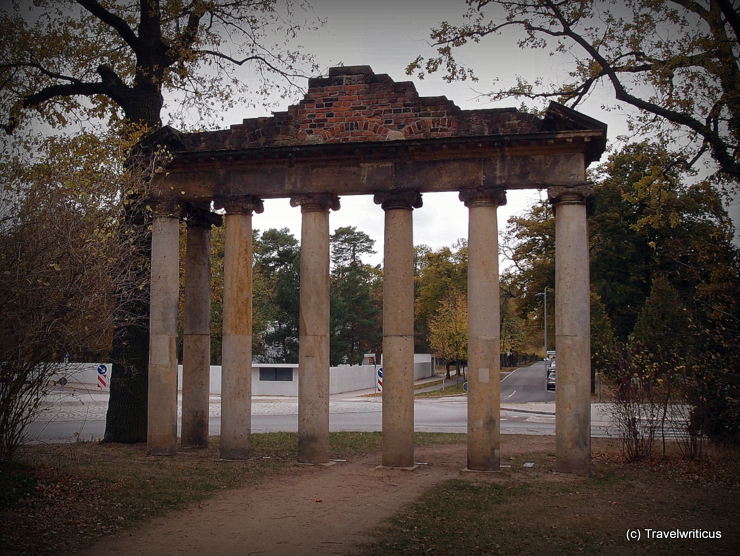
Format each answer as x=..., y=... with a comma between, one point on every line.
x=650, y=534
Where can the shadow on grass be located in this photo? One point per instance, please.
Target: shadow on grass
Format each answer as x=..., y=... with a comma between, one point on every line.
x=535, y=510
x=62, y=497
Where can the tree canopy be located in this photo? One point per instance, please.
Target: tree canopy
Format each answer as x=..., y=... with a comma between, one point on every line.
x=113, y=62
x=448, y=327
x=356, y=297
x=654, y=237
x=277, y=278
x=438, y=275
x=116, y=59
x=61, y=258
x=675, y=61
x=348, y=245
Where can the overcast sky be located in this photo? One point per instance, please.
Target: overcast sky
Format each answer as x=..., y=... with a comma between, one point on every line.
x=387, y=35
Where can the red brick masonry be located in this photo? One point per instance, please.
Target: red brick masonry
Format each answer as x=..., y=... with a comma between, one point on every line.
x=355, y=105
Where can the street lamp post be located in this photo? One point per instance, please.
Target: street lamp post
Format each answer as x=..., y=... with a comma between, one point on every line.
x=544, y=294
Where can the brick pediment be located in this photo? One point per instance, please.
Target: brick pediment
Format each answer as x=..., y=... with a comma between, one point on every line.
x=353, y=104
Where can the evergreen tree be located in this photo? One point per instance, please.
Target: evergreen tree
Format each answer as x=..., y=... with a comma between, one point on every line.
x=356, y=297
x=277, y=274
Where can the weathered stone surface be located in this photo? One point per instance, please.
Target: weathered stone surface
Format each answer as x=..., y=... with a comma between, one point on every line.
x=483, y=197
x=196, y=334
x=398, y=329
x=162, y=391
x=239, y=204
x=572, y=335
x=315, y=202
x=484, y=329
x=313, y=347
x=236, y=364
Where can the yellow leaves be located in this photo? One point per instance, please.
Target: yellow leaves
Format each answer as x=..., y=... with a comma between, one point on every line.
x=56, y=266
x=448, y=328
x=594, y=68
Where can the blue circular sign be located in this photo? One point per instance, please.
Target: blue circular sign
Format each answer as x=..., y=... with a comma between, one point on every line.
x=380, y=372
x=102, y=370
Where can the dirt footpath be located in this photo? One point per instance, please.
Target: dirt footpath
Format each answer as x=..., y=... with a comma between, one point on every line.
x=309, y=510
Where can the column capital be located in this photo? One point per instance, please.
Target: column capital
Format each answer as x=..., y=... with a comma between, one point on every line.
x=239, y=204
x=163, y=206
x=483, y=197
x=315, y=202
x=407, y=199
x=579, y=194
x=197, y=216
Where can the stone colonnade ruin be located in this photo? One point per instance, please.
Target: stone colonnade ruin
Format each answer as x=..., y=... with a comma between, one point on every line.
x=358, y=133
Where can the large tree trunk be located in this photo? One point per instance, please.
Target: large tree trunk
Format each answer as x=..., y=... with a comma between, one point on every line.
x=126, y=419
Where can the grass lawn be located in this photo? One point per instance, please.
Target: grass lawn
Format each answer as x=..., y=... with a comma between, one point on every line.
x=60, y=498
x=534, y=510
x=453, y=390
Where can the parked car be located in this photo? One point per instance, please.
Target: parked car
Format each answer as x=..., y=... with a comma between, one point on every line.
x=552, y=379
x=550, y=365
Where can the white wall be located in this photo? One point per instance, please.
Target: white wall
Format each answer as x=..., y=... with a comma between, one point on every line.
x=273, y=387
x=423, y=365
x=344, y=378
x=83, y=374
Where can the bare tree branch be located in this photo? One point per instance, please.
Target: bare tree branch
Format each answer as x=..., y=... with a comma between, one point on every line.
x=719, y=147
x=252, y=58
x=68, y=89
x=114, y=21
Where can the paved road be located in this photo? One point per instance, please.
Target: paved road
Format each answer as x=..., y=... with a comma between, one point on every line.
x=447, y=414
x=526, y=408
x=526, y=384
x=82, y=415
x=431, y=415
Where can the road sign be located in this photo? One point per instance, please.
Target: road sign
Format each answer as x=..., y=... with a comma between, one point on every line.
x=102, y=377
x=380, y=379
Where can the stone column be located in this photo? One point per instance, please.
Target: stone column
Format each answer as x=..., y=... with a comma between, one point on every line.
x=313, y=347
x=572, y=329
x=236, y=358
x=196, y=341
x=484, y=329
x=398, y=328
x=163, y=306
